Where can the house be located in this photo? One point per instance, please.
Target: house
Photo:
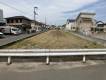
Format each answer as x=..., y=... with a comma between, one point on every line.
x=100, y=27
x=21, y=22
x=2, y=21
x=84, y=23
x=71, y=25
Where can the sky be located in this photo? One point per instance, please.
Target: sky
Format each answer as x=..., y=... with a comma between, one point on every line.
x=54, y=11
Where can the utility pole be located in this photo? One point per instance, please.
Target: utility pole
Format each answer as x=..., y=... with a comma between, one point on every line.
x=35, y=13
x=45, y=22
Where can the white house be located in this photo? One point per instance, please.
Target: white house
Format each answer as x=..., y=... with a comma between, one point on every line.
x=71, y=25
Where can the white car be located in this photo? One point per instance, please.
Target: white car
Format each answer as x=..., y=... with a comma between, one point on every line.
x=1, y=35
x=16, y=31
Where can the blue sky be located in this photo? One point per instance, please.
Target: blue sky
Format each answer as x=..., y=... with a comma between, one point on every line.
x=56, y=11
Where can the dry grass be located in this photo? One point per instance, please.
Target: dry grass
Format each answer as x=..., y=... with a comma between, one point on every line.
x=55, y=39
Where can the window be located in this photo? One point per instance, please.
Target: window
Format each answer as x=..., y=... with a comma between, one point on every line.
x=20, y=20
x=16, y=20
x=8, y=21
x=11, y=21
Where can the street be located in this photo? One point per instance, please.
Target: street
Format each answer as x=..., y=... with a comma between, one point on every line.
x=13, y=38
x=97, y=72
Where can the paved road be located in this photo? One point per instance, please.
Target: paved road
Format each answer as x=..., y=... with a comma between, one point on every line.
x=12, y=38
x=87, y=73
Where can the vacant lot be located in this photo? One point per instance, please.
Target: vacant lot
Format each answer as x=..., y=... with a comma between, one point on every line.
x=55, y=39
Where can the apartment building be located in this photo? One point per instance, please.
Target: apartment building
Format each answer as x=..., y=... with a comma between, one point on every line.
x=21, y=22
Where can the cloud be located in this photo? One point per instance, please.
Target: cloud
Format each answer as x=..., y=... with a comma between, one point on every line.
x=98, y=7
x=86, y=6
x=53, y=10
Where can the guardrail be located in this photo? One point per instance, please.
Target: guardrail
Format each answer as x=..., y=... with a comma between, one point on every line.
x=50, y=52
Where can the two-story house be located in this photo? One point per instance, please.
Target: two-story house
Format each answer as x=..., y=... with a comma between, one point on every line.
x=85, y=22
x=21, y=22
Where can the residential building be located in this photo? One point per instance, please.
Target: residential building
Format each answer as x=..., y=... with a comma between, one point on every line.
x=84, y=23
x=21, y=22
x=100, y=27
x=70, y=25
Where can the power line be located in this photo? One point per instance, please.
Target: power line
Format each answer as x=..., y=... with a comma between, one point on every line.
x=27, y=3
x=13, y=8
x=86, y=7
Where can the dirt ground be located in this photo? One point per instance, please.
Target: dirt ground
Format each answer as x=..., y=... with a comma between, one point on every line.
x=54, y=39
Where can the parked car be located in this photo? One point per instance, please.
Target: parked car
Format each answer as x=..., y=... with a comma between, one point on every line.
x=11, y=30
x=1, y=35
x=19, y=31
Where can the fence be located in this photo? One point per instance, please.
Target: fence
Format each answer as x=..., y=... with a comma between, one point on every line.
x=49, y=53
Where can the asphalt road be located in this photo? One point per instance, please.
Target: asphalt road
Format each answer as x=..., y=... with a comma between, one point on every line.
x=84, y=73
x=13, y=38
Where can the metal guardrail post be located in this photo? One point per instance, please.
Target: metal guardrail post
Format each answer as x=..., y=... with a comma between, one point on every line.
x=47, y=60
x=84, y=59
x=9, y=60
